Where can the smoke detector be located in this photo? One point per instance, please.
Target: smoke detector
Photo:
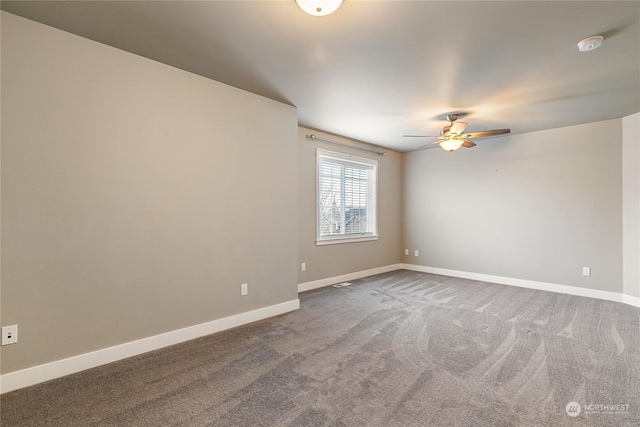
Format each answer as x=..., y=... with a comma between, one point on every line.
x=590, y=43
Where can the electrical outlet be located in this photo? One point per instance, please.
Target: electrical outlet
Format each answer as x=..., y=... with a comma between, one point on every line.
x=303, y=267
x=9, y=334
x=244, y=289
x=406, y=251
x=416, y=252
x=586, y=271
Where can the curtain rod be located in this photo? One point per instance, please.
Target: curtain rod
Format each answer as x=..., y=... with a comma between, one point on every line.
x=314, y=137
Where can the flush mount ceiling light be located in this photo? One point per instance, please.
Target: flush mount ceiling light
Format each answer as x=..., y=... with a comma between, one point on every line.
x=590, y=43
x=319, y=7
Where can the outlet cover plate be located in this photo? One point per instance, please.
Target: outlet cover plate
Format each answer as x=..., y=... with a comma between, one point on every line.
x=9, y=334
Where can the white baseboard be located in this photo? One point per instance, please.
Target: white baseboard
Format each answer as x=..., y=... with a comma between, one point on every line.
x=71, y=365
x=531, y=284
x=542, y=286
x=37, y=374
x=307, y=286
x=631, y=300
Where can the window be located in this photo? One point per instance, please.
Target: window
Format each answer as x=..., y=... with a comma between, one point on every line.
x=347, y=192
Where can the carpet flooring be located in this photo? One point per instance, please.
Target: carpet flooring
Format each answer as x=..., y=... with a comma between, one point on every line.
x=397, y=349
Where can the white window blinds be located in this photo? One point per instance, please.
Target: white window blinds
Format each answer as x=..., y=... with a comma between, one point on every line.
x=347, y=192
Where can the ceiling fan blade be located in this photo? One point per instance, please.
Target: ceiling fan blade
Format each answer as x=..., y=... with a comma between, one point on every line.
x=427, y=146
x=486, y=133
x=468, y=143
x=458, y=127
x=419, y=136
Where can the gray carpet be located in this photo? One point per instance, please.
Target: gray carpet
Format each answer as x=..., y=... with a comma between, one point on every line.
x=397, y=349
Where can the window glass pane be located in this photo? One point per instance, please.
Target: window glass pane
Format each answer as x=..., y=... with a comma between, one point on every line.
x=346, y=196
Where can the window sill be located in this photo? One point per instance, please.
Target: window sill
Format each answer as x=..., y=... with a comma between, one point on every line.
x=338, y=240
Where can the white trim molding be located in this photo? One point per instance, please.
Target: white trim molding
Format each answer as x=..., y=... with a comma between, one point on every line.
x=531, y=284
x=59, y=368
x=522, y=283
x=307, y=286
x=631, y=300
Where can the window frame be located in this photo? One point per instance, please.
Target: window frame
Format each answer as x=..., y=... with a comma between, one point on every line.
x=352, y=160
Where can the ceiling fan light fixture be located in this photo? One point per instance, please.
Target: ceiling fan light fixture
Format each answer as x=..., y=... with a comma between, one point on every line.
x=319, y=7
x=590, y=43
x=451, y=144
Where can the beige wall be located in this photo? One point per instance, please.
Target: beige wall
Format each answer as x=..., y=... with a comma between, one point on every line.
x=537, y=206
x=631, y=204
x=334, y=260
x=136, y=197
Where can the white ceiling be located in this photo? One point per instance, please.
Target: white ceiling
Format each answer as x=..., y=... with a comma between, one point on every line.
x=376, y=70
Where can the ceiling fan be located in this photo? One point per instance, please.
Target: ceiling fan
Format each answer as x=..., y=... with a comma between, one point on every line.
x=453, y=137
